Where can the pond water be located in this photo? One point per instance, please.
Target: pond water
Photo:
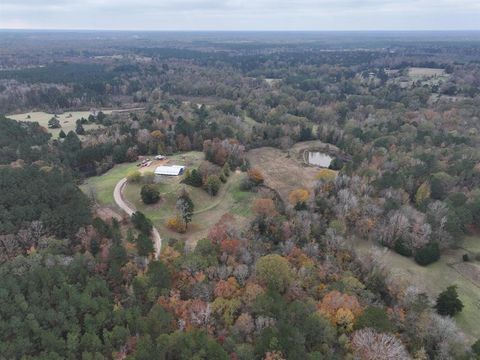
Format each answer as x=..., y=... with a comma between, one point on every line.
x=319, y=159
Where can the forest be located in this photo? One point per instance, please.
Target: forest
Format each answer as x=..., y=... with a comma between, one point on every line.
x=300, y=264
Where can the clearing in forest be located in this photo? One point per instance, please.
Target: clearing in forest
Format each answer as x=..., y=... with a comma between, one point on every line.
x=68, y=120
x=283, y=171
x=435, y=278
x=208, y=209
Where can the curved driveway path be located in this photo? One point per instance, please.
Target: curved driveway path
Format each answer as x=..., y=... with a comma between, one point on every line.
x=129, y=209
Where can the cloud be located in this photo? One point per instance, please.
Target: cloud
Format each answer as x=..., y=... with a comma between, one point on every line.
x=241, y=14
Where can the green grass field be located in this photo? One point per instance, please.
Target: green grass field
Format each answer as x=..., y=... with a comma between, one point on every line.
x=438, y=276
x=102, y=186
x=67, y=120
x=208, y=209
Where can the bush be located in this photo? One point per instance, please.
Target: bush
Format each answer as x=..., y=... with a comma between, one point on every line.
x=212, y=185
x=256, y=176
x=177, y=224
x=148, y=177
x=226, y=170
x=149, y=194
x=134, y=176
x=465, y=257
x=246, y=184
x=402, y=249
x=428, y=254
x=193, y=178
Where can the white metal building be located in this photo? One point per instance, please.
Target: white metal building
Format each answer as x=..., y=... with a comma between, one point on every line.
x=173, y=170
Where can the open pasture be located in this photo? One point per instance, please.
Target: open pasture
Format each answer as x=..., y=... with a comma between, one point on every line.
x=434, y=278
x=67, y=120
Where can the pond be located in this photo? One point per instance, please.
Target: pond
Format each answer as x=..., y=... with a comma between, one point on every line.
x=319, y=159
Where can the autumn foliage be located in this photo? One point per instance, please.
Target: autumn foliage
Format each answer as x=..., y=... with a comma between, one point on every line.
x=326, y=175
x=298, y=196
x=264, y=207
x=256, y=176
x=177, y=224
x=341, y=309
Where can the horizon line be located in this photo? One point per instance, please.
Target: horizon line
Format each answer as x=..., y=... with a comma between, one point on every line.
x=243, y=30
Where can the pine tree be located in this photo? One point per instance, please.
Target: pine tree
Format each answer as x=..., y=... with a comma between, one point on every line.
x=448, y=302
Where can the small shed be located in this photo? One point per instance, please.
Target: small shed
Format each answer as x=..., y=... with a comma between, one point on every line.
x=173, y=170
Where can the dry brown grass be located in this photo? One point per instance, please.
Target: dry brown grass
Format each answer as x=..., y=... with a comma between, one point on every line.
x=281, y=172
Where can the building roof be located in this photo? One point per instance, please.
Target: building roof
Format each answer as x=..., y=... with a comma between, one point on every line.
x=169, y=170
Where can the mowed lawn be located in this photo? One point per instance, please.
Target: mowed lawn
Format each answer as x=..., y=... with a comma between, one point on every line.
x=67, y=120
x=208, y=209
x=436, y=277
x=102, y=186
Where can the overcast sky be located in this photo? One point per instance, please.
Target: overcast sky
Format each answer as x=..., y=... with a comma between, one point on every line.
x=241, y=14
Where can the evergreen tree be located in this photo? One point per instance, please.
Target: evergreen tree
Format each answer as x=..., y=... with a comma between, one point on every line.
x=448, y=302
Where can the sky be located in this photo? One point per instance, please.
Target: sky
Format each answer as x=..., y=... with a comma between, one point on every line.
x=294, y=15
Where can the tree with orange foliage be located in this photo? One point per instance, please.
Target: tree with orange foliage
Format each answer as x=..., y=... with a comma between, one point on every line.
x=256, y=176
x=264, y=207
x=244, y=324
x=230, y=246
x=177, y=224
x=298, y=198
x=223, y=229
x=227, y=288
x=341, y=309
x=252, y=291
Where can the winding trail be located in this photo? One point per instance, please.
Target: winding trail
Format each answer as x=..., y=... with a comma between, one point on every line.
x=130, y=209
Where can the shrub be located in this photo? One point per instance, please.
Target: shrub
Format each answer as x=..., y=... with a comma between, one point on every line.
x=212, y=185
x=226, y=170
x=298, y=198
x=336, y=164
x=401, y=248
x=326, y=175
x=246, y=184
x=428, y=254
x=148, y=177
x=256, y=176
x=465, y=257
x=193, y=178
x=177, y=224
x=149, y=194
x=134, y=176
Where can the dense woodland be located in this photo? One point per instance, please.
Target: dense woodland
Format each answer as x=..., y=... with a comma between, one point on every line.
x=289, y=285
